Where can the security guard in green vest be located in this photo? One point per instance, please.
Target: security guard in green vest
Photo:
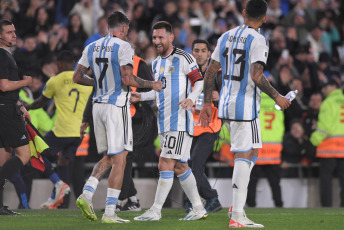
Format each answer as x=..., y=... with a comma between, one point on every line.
x=329, y=139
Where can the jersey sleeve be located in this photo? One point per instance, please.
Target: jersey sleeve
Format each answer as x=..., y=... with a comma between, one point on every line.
x=4, y=73
x=216, y=54
x=125, y=54
x=49, y=89
x=260, y=51
x=192, y=71
x=84, y=60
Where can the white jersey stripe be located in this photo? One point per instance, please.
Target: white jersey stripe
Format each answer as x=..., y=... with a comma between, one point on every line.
x=162, y=99
x=175, y=91
x=240, y=100
x=105, y=77
x=232, y=62
x=227, y=98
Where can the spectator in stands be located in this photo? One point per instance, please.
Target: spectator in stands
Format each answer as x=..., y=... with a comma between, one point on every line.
x=310, y=117
x=299, y=105
x=102, y=31
x=42, y=20
x=150, y=54
x=58, y=37
x=317, y=45
x=329, y=139
x=31, y=56
x=85, y=9
x=221, y=27
x=170, y=14
x=330, y=33
x=296, y=149
x=37, y=85
x=76, y=35
x=207, y=17
x=190, y=21
x=302, y=18
x=277, y=45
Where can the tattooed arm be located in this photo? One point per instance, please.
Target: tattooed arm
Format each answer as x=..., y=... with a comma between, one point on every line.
x=128, y=78
x=80, y=77
x=209, y=80
x=264, y=85
x=261, y=81
x=209, y=86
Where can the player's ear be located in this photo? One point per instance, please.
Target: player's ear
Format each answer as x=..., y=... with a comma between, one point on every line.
x=172, y=37
x=264, y=19
x=243, y=13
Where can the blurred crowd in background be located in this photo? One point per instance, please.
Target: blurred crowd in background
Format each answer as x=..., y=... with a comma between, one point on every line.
x=306, y=40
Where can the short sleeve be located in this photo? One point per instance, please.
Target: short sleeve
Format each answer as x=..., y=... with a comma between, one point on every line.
x=260, y=50
x=49, y=89
x=4, y=73
x=126, y=54
x=216, y=54
x=84, y=60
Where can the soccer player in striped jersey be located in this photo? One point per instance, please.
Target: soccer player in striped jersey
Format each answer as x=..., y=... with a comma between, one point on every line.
x=241, y=53
x=111, y=61
x=178, y=71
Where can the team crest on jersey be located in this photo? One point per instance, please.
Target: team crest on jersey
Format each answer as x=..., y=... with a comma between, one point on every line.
x=171, y=69
x=162, y=69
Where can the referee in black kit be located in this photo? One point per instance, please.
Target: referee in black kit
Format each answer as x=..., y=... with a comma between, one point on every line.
x=13, y=134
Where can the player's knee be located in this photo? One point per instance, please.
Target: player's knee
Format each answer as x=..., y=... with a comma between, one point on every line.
x=166, y=164
x=180, y=168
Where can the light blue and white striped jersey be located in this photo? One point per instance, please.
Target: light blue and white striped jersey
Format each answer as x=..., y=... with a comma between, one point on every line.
x=178, y=72
x=236, y=50
x=105, y=56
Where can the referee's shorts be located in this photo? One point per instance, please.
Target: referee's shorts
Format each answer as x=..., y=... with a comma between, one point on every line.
x=12, y=128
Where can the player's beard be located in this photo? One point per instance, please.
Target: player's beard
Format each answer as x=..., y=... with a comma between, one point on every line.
x=162, y=51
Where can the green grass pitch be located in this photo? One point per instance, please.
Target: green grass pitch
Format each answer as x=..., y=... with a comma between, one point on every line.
x=279, y=219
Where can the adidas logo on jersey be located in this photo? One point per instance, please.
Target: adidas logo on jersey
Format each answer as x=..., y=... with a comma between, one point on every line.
x=23, y=137
x=169, y=152
x=234, y=186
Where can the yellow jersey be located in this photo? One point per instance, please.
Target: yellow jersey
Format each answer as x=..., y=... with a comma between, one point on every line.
x=70, y=100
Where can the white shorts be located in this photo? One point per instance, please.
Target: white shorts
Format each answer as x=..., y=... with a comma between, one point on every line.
x=112, y=128
x=245, y=136
x=176, y=145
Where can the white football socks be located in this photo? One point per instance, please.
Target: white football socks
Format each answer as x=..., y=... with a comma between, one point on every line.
x=240, y=180
x=164, y=186
x=90, y=187
x=188, y=182
x=111, y=201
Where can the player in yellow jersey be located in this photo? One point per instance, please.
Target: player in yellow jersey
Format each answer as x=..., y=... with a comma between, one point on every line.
x=70, y=100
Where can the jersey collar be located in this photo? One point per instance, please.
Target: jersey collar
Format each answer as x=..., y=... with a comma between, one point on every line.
x=173, y=51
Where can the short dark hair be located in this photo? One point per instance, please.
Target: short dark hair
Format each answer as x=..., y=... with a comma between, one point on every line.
x=117, y=18
x=256, y=9
x=163, y=25
x=65, y=56
x=196, y=41
x=4, y=22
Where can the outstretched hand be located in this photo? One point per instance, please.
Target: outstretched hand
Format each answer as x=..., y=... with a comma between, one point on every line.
x=135, y=97
x=205, y=115
x=186, y=104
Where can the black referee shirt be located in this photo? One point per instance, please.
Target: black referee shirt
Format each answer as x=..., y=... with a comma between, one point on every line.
x=8, y=70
